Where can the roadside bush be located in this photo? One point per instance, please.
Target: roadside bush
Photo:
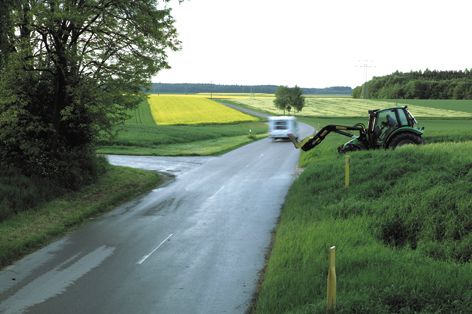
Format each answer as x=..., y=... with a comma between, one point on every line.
x=19, y=192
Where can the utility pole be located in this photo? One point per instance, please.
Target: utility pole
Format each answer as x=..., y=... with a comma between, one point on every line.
x=365, y=64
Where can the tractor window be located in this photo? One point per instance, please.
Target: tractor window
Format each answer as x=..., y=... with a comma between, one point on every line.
x=403, y=118
x=382, y=118
x=385, y=123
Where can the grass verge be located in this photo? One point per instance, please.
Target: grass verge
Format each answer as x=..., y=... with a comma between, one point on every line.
x=402, y=233
x=208, y=147
x=29, y=230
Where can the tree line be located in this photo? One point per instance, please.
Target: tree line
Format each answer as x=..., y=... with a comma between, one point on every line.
x=192, y=88
x=418, y=85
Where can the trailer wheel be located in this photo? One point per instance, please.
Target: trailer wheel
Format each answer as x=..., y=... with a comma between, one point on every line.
x=405, y=139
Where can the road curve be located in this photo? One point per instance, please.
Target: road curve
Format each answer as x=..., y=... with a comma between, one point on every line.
x=195, y=245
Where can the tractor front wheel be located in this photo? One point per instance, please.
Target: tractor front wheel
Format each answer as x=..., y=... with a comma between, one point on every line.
x=405, y=139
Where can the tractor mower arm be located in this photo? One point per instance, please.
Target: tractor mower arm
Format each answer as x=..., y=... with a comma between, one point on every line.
x=313, y=140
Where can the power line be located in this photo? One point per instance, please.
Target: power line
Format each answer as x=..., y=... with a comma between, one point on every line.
x=366, y=64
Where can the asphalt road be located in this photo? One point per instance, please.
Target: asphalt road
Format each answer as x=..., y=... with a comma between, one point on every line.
x=195, y=245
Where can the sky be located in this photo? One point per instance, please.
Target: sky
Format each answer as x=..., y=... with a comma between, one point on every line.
x=315, y=43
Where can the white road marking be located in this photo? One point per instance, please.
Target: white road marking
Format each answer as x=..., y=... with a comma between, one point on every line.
x=145, y=257
x=214, y=194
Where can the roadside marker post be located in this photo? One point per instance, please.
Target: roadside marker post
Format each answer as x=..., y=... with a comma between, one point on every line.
x=347, y=164
x=331, y=286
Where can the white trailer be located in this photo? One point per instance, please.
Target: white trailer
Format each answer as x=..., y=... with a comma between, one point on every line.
x=280, y=127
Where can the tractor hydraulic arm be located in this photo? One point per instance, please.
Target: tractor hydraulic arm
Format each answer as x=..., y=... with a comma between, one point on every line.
x=313, y=140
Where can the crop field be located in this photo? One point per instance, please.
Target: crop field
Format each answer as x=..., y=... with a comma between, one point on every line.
x=350, y=107
x=141, y=136
x=449, y=104
x=176, y=110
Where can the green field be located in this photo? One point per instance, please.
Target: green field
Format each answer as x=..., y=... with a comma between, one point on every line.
x=350, y=107
x=141, y=136
x=448, y=104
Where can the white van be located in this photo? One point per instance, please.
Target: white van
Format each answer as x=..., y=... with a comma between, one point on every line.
x=280, y=127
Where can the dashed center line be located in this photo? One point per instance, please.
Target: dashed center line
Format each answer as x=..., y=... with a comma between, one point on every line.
x=145, y=257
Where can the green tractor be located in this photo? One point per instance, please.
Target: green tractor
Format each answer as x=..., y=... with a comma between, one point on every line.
x=388, y=128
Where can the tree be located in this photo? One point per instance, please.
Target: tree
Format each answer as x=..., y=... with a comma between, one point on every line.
x=281, y=98
x=68, y=70
x=287, y=98
x=297, y=100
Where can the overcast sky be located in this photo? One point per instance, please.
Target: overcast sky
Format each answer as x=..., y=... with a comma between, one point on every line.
x=315, y=43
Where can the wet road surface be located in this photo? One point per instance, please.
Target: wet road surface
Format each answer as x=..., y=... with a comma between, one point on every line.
x=195, y=245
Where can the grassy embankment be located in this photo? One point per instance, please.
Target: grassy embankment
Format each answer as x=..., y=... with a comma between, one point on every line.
x=30, y=229
x=402, y=230
x=141, y=136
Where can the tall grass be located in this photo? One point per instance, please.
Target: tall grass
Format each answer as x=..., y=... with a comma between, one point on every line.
x=402, y=232
x=19, y=192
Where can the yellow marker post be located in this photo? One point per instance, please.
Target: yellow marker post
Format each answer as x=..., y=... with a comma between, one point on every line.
x=347, y=163
x=331, y=287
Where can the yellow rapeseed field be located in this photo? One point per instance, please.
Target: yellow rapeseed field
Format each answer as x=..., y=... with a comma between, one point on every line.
x=192, y=109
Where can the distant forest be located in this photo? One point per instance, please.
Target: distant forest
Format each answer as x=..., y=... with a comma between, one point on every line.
x=418, y=85
x=189, y=88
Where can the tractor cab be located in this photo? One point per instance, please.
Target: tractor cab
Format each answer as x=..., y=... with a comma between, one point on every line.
x=386, y=123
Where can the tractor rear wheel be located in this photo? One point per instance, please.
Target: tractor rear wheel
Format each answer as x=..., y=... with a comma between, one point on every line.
x=405, y=139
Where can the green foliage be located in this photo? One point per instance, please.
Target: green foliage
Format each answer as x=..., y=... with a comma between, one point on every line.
x=288, y=98
x=419, y=85
x=68, y=71
x=19, y=192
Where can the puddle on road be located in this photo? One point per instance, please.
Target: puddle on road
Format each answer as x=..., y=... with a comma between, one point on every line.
x=173, y=166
